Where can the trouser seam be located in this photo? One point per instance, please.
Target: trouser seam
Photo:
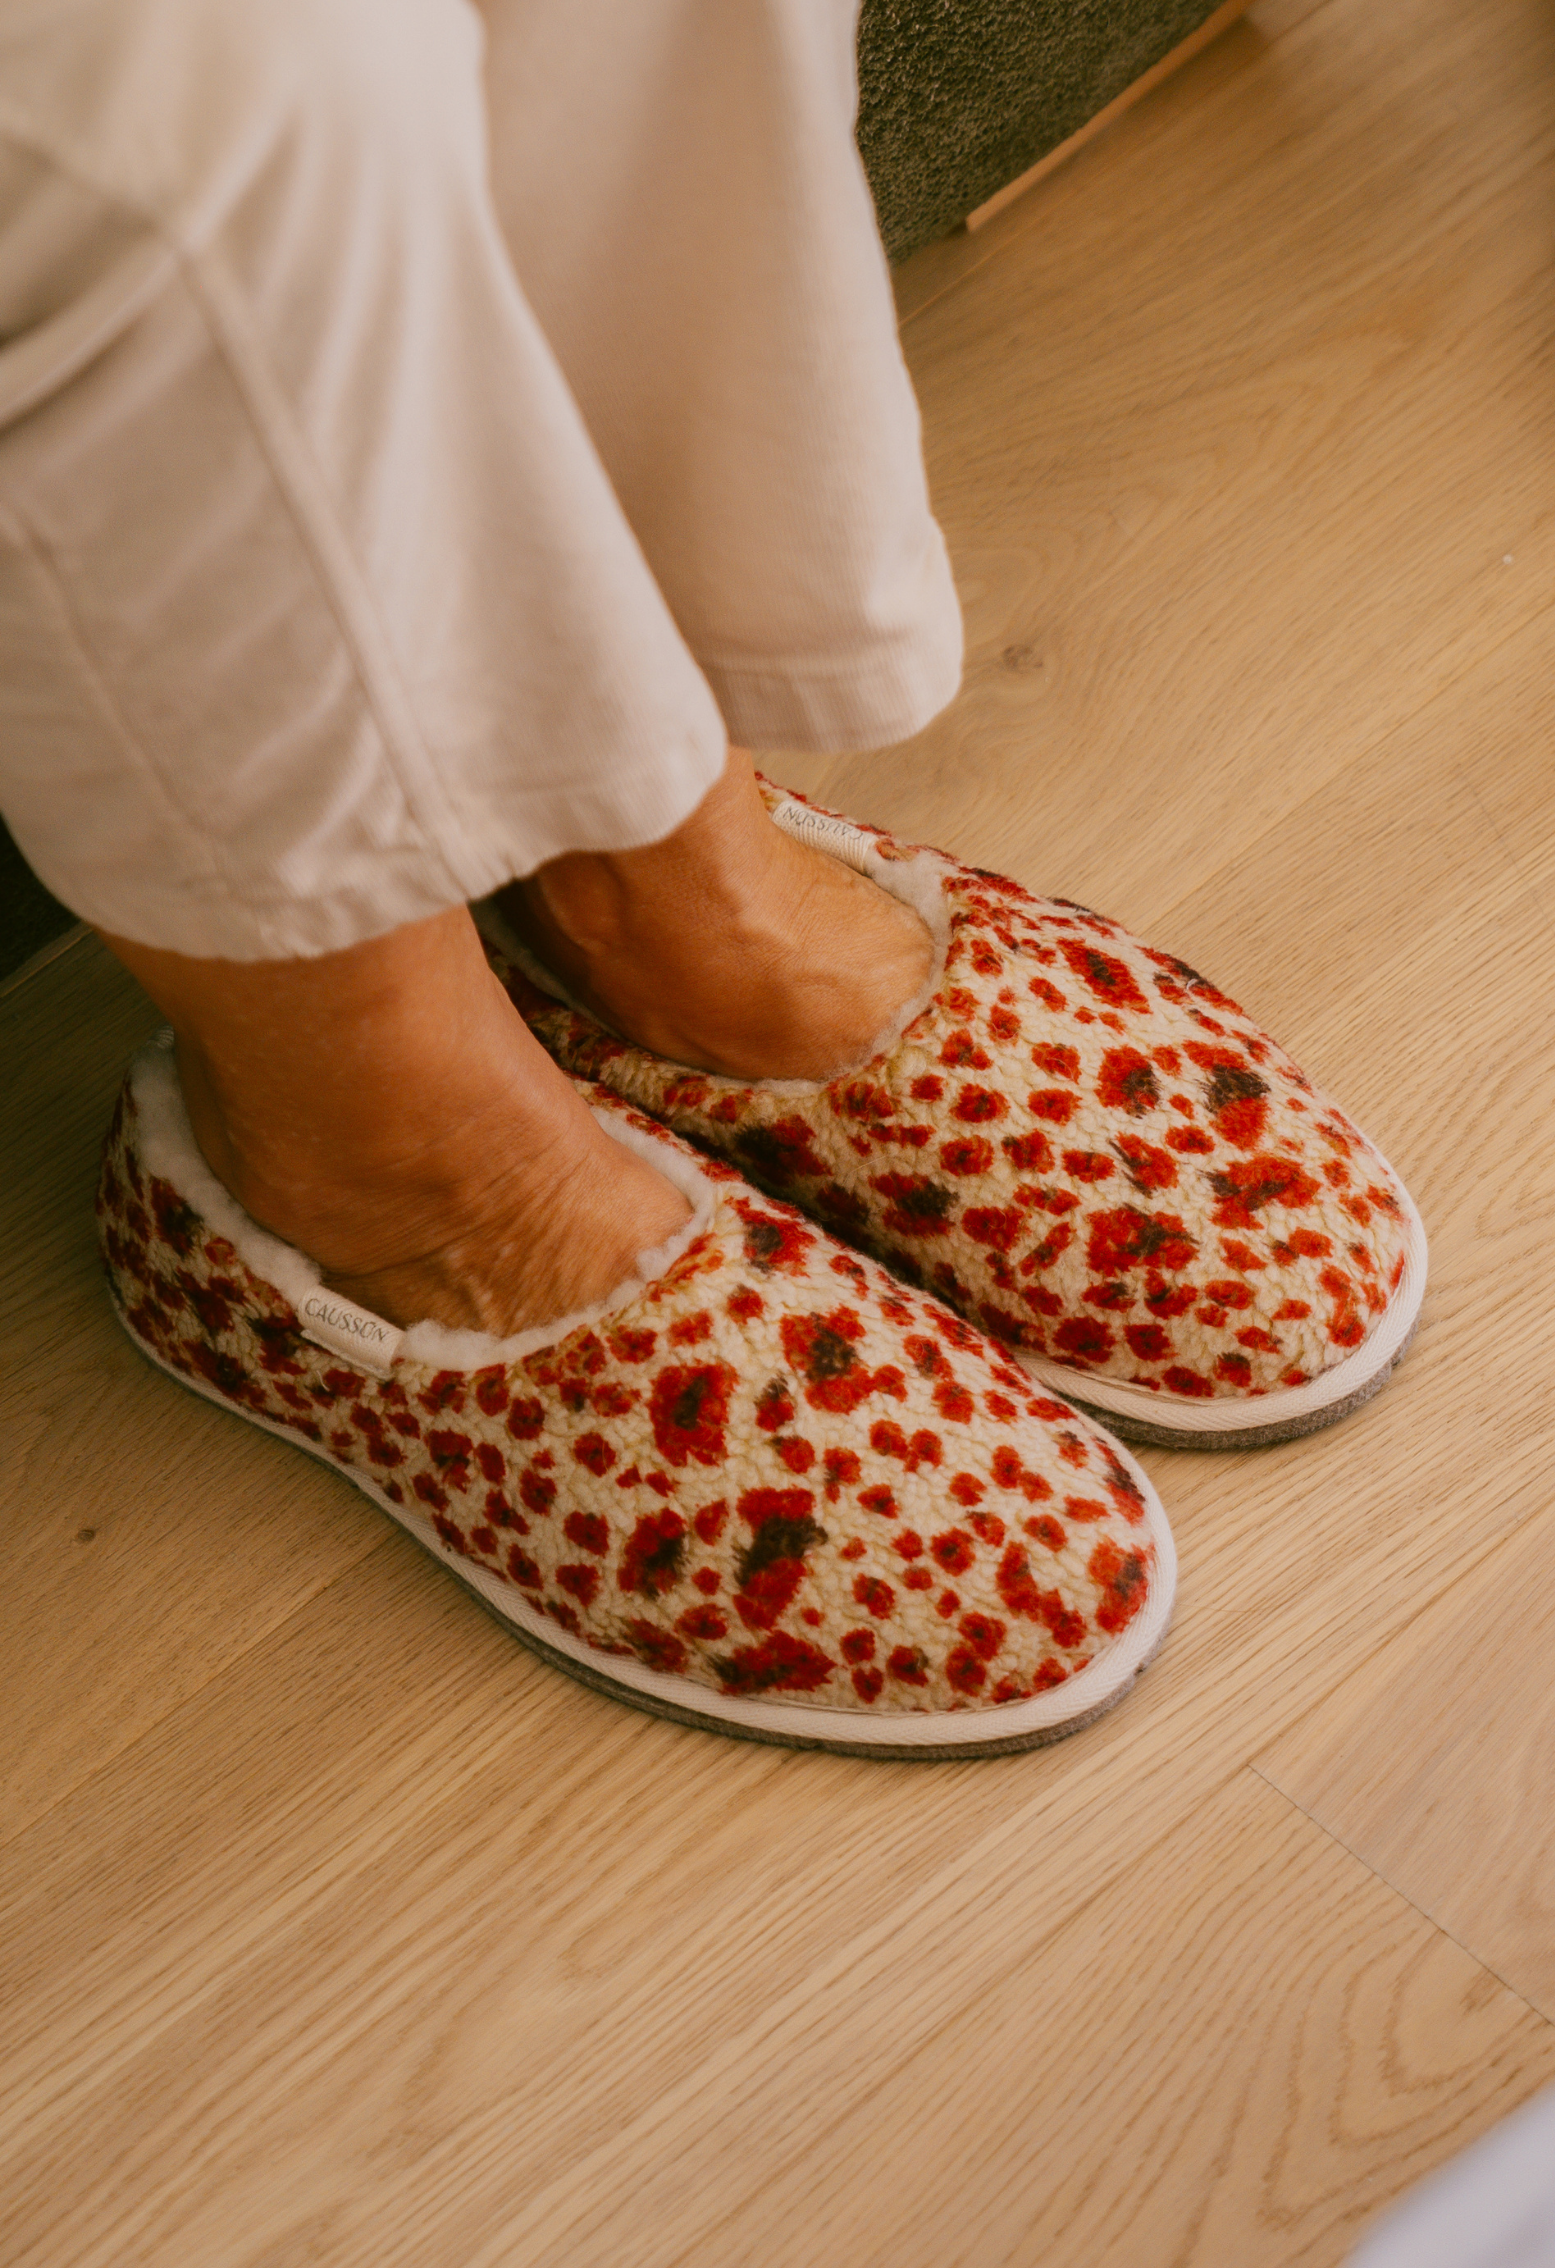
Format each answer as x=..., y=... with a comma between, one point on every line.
x=224, y=323
x=101, y=684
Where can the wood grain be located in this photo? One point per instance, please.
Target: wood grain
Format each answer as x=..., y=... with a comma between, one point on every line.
x=1232, y=533
x=401, y=1912
x=1169, y=111
x=148, y=1541
x=1256, y=2126
x=1437, y=1765
x=335, y=1929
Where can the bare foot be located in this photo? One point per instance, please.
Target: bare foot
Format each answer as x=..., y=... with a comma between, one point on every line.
x=386, y=1109
x=499, y=1242
x=728, y=945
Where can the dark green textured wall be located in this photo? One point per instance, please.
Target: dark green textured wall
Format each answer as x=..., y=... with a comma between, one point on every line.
x=957, y=97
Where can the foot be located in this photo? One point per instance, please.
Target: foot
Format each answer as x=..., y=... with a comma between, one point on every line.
x=552, y=1226
x=386, y=1110
x=728, y=945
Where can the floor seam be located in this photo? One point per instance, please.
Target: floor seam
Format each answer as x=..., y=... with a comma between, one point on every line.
x=46, y=955
x=1398, y=1891
x=1533, y=888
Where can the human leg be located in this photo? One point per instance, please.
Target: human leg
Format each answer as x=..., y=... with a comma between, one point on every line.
x=282, y=687
x=728, y=945
x=682, y=194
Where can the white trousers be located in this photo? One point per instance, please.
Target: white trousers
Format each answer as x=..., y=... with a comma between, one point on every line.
x=424, y=444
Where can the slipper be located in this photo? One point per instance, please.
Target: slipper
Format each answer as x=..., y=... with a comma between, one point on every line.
x=1081, y=1145
x=763, y=1489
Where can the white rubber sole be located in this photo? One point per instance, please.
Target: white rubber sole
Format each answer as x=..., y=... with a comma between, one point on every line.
x=899, y=1736
x=1248, y=1422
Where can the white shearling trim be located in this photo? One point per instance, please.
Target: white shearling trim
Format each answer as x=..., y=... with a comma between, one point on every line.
x=168, y=1149
x=920, y=883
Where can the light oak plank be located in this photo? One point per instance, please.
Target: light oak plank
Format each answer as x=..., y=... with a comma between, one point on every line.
x=403, y=1915
x=1508, y=769
x=1183, y=53
x=1401, y=939
x=984, y=2090
x=147, y=1540
x=1435, y=1762
x=1220, y=507
x=1155, y=125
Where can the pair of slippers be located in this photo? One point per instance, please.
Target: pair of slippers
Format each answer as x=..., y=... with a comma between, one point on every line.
x=843, y=1465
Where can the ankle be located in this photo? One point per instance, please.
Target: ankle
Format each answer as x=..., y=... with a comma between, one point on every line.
x=386, y=1110
x=538, y=1241
x=722, y=873
x=371, y=1202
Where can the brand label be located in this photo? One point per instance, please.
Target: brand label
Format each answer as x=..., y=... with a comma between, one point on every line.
x=823, y=833
x=346, y=1329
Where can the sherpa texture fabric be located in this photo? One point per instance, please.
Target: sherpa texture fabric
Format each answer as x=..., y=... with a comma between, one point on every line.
x=956, y=101
x=773, y=1469
x=1080, y=1143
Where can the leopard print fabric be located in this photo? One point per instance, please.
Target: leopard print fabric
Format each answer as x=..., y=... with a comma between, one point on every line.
x=1081, y=1144
x=776, y=1471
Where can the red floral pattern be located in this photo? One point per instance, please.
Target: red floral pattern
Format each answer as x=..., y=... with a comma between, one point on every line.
x=1081, y=1144
x=750, y=1475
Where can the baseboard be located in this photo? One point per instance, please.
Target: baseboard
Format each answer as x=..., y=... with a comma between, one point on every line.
x=1182, y=53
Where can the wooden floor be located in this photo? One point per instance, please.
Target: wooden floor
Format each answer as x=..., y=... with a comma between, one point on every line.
x=336, y=1929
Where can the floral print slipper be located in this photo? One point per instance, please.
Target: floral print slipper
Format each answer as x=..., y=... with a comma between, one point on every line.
x=1084, y=1147
x=765, y=1489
